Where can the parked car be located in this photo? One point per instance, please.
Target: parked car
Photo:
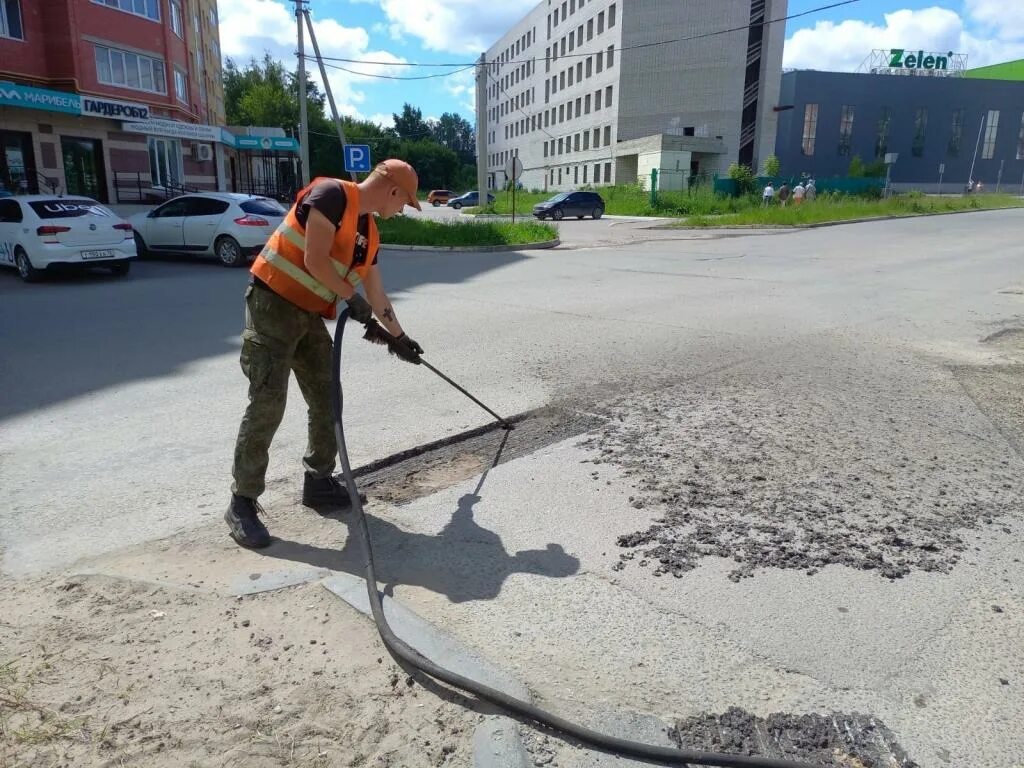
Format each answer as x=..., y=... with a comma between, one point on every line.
x=44, y=232
x=438, y=197
x=578, y=204
x=229, y=225
x=469, y=200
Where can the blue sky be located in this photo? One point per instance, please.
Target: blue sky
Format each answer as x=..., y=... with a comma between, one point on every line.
x=455, y=31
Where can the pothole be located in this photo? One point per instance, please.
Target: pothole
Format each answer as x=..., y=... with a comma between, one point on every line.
x=435, y=466
x=828, y=741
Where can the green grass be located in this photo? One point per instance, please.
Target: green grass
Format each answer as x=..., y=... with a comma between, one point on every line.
x=404, y=230
x=827, y=209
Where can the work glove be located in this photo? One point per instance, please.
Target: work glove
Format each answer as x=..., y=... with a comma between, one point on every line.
x=402, y=349
x=411, y=343
x=359, y=308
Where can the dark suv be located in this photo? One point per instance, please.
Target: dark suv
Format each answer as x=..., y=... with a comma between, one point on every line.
x=578, y=204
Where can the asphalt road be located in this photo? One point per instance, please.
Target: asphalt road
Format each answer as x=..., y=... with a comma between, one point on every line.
x=864, y=368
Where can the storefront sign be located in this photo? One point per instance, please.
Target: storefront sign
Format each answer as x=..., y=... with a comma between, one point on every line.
x=93, y=106
x=264, y=143
x=900, y=57
x=154, y=127
x=40, y=98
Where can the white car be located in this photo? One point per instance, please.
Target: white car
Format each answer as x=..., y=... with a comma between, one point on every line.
x=231, y=226
x=42, y=232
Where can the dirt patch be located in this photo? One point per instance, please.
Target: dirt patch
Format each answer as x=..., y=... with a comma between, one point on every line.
x=828, y=741
x=798, y=469
x=96, y=671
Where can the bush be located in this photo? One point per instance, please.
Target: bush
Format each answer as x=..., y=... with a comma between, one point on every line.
x=772, y=166
x=856, y=169
x=744, y=177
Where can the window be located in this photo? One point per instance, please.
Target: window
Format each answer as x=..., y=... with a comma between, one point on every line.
x=607, y=135
x=597, y=99
x=845, y=130
x=608, y=96
x=579, y=35
x=611, y=56
x=579, y=72
x=584, y=174
x=607, y=172
x=148, y=8
x=10, y=20
x=579, y=106
x=920, y=127
x=572, y=42
x=545, y=149
x=556, y=17
x=547, y=91
x=597, y=173
x=590, y=30
x=597, y=138
x=576, y=175
x=129, y=70
x=600, y=22
x=176, y=25
x=560, y=145
x=570, y=76
x=561, y=46
x=611, y=15
x=991, y=131
x=955, y=134
x=586, y=138
x=590, y=66
x=561, y=113
x=586, y=104
x=568, y=110
x=572, y=6
x=882, y=138
x=10, y=212
x=810, y=129
x=600, y=60
x=561, y=80
x=576, y=143
x=1020, y=140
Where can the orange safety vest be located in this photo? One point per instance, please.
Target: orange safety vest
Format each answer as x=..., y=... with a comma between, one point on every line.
x=281, y=263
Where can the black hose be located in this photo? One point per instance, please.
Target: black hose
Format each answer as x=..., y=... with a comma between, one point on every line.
x=623, y=747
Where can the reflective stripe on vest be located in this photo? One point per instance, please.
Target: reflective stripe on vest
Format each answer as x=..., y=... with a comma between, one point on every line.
x=300, y=276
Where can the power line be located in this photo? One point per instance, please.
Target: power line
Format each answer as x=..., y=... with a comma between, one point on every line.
x=396, y=77
x=691, y=38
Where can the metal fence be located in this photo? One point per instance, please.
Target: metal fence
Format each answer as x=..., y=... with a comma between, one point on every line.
x=136, y=188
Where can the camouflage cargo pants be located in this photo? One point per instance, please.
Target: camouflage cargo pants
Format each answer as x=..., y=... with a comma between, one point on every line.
x=279, y=338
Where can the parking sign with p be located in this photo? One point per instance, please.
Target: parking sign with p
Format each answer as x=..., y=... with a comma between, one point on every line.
x=357, y=158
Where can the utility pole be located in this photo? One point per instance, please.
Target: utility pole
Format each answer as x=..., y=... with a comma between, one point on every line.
x=327, y=85
x=481, y=130
x=300, y=9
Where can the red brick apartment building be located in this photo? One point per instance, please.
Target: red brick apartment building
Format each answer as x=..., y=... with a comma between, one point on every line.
x=107, y=98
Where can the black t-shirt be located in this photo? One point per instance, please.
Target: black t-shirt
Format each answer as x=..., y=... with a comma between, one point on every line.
x=328, y=197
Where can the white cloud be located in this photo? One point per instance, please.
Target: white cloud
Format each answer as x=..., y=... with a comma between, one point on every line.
x=843, y=47
x=462, y=87
x=458, y=26
x=249, y=28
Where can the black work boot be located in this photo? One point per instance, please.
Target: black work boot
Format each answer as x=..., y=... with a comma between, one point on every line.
x=244, y=524
x=326, y=492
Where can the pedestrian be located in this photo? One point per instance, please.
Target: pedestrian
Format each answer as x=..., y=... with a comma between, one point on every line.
x=322, y=252
x=784, y=193
x=767, y=194
x=798, y=193
x=811, y=191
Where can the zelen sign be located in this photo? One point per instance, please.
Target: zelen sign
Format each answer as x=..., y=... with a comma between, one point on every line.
x=899, y=58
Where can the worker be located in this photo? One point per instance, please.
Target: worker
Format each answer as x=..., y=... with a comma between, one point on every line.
x=322, y=252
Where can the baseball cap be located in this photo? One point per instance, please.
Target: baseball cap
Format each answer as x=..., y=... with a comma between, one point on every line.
x=402, y=175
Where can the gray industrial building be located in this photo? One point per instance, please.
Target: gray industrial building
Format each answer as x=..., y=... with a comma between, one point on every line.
x=948, y=127
x=603, y=91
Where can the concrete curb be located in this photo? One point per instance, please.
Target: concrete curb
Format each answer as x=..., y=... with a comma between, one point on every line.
x=821, y=224
x=497, y=741
x=474, y=248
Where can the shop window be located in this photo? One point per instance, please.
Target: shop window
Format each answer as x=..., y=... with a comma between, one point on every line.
x=148, y=8
x=810, y=129
x=845, y=130
x=920, y=127
x=129, y=70
x=991, y=132
x=10, y=20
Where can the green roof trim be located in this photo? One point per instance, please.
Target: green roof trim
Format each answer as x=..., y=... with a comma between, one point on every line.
x=1010, y=70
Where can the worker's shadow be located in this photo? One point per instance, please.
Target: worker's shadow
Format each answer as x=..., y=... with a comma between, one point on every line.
x=464, y=561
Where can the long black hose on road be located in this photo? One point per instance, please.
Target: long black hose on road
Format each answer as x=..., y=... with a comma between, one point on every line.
x=397, y=646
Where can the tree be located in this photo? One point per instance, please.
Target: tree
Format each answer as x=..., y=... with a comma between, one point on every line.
x=743, y=175
x=455, y=133
x=772, y=166
x=410, y=124
x=856, y=169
